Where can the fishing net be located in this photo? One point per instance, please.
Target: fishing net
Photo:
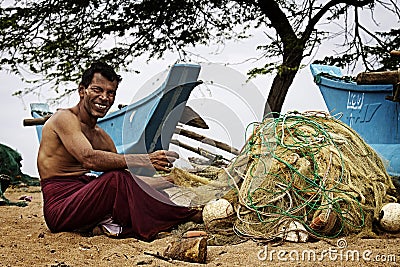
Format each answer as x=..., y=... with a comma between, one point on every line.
x=309, y=169
x=10, y=165
x=11, y=174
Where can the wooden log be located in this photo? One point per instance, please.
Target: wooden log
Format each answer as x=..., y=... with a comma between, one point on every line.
x=379, y=77
x=198, y=150
x=35, y=121
x=188, y=249
x=207, y=140
x=395, y=53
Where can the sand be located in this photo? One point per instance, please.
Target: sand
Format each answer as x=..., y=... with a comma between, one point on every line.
x=26, y=241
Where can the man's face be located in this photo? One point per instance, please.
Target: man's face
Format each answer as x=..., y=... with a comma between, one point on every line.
x=99, y=96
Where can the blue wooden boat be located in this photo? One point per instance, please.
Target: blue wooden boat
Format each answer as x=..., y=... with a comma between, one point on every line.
x=148, y=124
x=366, y=109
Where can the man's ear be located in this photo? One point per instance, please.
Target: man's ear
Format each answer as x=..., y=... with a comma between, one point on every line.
x=81, y=90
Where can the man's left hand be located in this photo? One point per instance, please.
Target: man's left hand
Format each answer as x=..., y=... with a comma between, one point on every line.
x=162, y=160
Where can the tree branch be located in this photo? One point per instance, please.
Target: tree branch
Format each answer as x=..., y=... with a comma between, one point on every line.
x=314, y=20
x=278, y=19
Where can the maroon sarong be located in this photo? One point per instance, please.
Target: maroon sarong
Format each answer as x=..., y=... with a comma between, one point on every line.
x=82, y=202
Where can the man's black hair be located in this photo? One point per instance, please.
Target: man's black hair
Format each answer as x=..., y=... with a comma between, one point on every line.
x=99, y=67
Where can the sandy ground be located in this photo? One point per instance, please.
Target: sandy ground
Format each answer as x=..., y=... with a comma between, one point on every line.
x=26, y=241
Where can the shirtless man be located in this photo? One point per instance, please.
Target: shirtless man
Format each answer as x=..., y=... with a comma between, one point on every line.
x=72, y=145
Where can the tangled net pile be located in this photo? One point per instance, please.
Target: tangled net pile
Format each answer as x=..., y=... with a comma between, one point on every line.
x=310, y=169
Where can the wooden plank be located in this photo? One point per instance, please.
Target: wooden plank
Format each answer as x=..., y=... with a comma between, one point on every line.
x=35, y=121
x=379, y=77
x=207, y=140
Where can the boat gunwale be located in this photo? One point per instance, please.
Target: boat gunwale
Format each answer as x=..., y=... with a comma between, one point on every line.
x=353, y=86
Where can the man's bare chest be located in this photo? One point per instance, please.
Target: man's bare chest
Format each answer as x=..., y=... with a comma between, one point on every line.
x=95, y=138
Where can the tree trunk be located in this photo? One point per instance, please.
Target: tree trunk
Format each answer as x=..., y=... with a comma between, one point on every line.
x=282, y=82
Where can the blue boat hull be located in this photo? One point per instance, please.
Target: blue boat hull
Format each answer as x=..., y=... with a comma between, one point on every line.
x=365, y=109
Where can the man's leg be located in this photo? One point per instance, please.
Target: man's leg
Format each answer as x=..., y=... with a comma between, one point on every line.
x=141, y=210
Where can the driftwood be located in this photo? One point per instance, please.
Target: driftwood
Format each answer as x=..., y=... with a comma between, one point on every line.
x=207, y=140
x=192, y=249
